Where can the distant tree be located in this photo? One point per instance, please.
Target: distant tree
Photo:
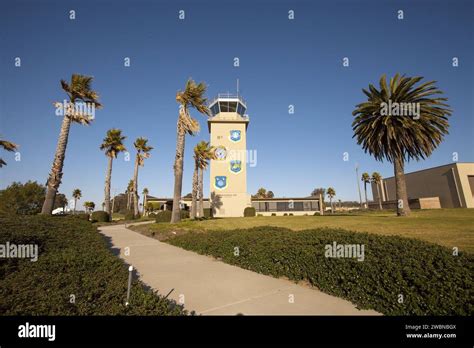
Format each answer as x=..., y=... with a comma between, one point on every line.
x=365, y=178
x=143, y=152
x=270, y=194
x=76, y=194
x=7, y=146
x=319, y=191
x=60, y=201
x=89, y=206
x=188, y=195
x=22, y=199
x=331, y=193
x=145, y=193
x=377, y=180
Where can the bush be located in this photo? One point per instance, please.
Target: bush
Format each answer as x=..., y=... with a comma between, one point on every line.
x=100, y=216
x=259, y=214
x=291, y=214
x=184, y=214
x=274, y=214
x=207, y=213
x=73, y=259
x=285, y=214
x=431, y=279
x=163, y=216
x=249, y=212
x=130, y=215
x=23, y=199
x=82, y=216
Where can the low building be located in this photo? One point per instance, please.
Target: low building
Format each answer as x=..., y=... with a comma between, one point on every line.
x=452, y=184
x=263, y=206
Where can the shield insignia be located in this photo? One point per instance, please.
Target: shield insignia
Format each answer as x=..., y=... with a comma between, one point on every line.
x=235, y=166
x=235, y=135
x=220, y=182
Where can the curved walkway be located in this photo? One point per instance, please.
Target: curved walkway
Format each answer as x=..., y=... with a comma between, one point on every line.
x=211, y=287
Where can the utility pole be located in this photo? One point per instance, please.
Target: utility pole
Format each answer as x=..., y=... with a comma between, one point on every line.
x=358, y=184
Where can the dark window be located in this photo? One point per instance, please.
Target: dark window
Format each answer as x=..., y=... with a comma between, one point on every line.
x=298, y=206
x=239, y=109
x=232, y=106
x=224, y=106
x=282, y=206
x=215, y=109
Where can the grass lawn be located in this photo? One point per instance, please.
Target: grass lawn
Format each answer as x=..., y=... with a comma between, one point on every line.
x=447, y=227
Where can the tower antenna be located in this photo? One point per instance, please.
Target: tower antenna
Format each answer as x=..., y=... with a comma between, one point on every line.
x=237, y=86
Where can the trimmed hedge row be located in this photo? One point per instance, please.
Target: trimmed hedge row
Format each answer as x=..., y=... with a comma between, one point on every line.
x=100, y=216
x=165, y=215
x=431, y=280
x=73, y=260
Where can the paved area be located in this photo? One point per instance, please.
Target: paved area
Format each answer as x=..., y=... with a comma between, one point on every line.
x=211, y=287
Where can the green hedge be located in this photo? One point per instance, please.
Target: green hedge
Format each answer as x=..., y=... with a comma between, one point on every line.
x=431, y=280
x=100, y=216
x=163, y=216
x=83, y=216
x=207, y=213
x=73, y=259
x=249, y=212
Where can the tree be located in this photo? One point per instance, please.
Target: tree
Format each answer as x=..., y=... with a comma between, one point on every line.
x=129, y=192
x=60, y=201
x=79, y=91
x=112, y=145
x=365, y=178
x=377, y=180
x=22, y=199
x=143, y=152
x=331, y=193
x=89, y=206
x=76, y=194
x=145, y=193
x=7, y=146
x=203, y=152
x=192, y=96
x=317, y=192
x=270, y=194
x=398, y=139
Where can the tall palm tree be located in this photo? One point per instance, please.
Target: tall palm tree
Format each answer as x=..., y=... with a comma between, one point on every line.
x=8, y=146
x=76, y=194
x=143, y=152
x=331, y=193
x=365, y=178
x=398, y=139
x=79, y=91
x=112, y=145
x=377, y=180
x=202, y=154
x=192, y=96
x=145, y=193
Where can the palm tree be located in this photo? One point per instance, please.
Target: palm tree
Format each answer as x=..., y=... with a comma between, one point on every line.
x=377, y=179
x=203, y=152
x=129, y=192
x=400, y=138
x=145, y=193
x=78, y=90
x=76, y=194
x=331, y=193
x=90, y=206
x=143, y=152
x=319, y=192
x=192, y=96
x=112, y=145
x=365, y=179
x=8, y=146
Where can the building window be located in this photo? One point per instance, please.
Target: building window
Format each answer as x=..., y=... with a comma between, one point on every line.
x=224, y=106
x=232, y=106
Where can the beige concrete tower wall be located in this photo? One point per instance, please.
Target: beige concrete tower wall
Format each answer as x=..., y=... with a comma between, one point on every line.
x=449, y=182
x=232, y=200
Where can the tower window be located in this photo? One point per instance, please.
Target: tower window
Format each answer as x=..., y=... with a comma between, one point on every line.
x=224, y=105
x=232, y=106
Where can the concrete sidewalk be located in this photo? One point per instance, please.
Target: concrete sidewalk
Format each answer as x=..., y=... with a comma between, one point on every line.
x=211, y=287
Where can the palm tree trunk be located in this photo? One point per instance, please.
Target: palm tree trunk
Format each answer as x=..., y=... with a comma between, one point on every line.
x=75, y=203
x=403, y=209
x=178, y=174
x=108, y=179
x=135, y=189
x=201, y=193
x=378, y=196
x=144, y=204
x=365, y=191
x=195, y=190
x=330, y=202
x=54, y=179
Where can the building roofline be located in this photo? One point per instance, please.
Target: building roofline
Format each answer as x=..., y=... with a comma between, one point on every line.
x=286, y=199
x=422, y=170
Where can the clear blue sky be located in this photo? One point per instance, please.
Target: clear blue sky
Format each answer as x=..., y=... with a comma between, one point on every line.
x=282, y=62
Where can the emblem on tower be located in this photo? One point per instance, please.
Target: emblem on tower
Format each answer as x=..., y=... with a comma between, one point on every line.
x=235, y=135
x=236, y=166
x=220, y=182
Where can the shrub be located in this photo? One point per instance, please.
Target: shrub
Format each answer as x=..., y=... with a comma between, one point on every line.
x=285, y=214
x=259, y=214
x=184, y=214
x=431, y=279
x=274, y=214
x=163, y=216
x=130, y=215
x=291, y=214
x=100, y=216
x=73, y=259
x=23, y=199
x=82, y=216
x=207, y=213
x=249, y=212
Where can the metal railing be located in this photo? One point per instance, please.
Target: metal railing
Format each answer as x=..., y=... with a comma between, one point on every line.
x=227, y=96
